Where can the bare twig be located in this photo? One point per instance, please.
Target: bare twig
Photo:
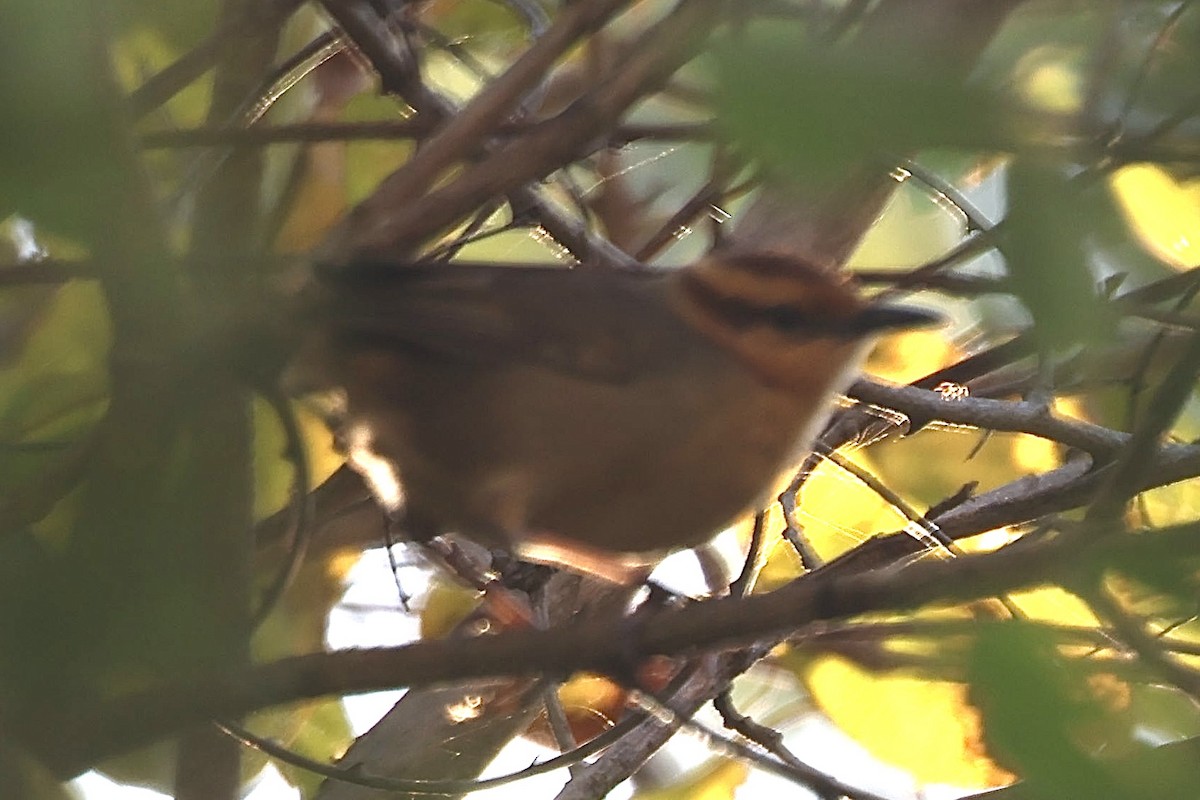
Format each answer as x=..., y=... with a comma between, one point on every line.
x=771, y=740
x=1149, y=648
x=995, y=415
x=396, y=65
x=462, y=132
x=358, y=776
x=1127, y=478
x=415, y=128
x=379, y=225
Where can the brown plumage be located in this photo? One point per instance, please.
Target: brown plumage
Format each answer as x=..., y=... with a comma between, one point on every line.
x=583, y=414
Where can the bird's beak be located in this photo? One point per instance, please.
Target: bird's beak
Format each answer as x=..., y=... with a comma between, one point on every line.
x=879, y=318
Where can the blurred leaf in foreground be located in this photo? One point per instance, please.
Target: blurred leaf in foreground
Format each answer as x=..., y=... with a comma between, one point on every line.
x=814, y=111
x=1033, y=712
x=1045, y=240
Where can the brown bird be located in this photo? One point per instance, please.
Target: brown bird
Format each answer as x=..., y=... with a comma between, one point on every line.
x=593, y=418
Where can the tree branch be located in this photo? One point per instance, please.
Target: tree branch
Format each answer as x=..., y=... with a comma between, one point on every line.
x=598, y=643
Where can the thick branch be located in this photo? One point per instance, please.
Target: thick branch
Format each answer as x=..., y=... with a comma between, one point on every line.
x=992, y=415
x=599, y=643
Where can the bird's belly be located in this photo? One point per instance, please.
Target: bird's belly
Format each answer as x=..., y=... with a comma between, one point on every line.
x=668, y=473
x=503, y=454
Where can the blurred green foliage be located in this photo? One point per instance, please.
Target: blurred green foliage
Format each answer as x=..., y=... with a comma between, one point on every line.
x=816, y=111
x=126, y=442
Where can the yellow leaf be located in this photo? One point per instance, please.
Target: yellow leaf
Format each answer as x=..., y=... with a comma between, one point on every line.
x=140, y=52
x=64, y=348
x=1053, y=605
x=1033, y=454
x=1174, y=504
x=925, y=727
x=905, y=357
x=273, y=471
x=936, y=462
x=313, y=729
x=1048, y=78
x=890, y=242
x=588, y=691
x=592, y=704
x=298, y=621
x=446, y=605
x=1164, y=213
x=782, y=566
x=839, y=512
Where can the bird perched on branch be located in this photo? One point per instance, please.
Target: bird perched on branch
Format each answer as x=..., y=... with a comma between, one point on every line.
x=594, y=418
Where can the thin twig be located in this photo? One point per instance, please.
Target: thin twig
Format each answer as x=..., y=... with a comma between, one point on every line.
x=381, y=224
x=387, y=130
x=1148, y=648
x=301, y=506
x=752, y=565
x=995, y=415
x=1127, y=477
x=357, y=776
x=771, y=740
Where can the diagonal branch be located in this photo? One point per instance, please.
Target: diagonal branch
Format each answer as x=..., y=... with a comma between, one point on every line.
x=597, y=643
x=462, y=132
x=380, y=226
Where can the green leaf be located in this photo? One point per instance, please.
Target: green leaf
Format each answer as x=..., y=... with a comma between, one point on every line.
x=1044, y=248
x=59, y=125
x=182, y=22
x=814, y=110
x=1033, y=709
x=315, y=731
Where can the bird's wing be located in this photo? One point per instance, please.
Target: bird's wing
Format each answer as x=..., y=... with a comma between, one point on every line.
x=589, y=323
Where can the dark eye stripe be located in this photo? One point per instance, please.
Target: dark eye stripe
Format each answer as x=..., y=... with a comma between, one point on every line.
x=741, y=314
x=789, y=318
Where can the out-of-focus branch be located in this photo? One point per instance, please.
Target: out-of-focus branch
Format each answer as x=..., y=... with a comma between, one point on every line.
x=416, y=127
x=390, y=58
x=388, y=226
x=165, y=84
x=461, y=133
x=226, y=225
x=824, y=223
x=600, y=642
